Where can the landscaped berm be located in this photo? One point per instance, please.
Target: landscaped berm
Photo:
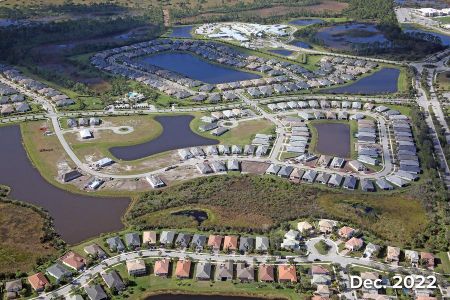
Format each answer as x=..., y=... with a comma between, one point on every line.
x=251, y=203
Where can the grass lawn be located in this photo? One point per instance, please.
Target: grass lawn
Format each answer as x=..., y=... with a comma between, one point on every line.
x=402, y=83
x=151, y=284
x=145, y=128
x=444, y=266
x=443, y=81
x=20, y=245
x=322, y=247
x=444, y=20
x=242, y=134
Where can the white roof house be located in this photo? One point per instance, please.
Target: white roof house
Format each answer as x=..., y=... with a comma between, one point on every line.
x=86, y=134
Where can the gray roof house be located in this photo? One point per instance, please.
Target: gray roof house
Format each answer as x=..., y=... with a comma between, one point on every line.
x=58, y=272
x=115, y=244
x=95, y=250
x=285, y=171
x=261, y=243
x=273, y=169
x=309, y=176
x=350, y=183
x=246, y=244
x=183, y=240
x=167, y=238
x=371, y=249
x=245, y=273
x=321, y=279
x=132, y=240
x=95, y=292
x=335, y=180
x=383, y=184
x=233, y=165
x=367, y=185
x=203, y=271
x=13, y=286
x=198, y=241
x=224, y=271
x=22, y=107
x=113, y=280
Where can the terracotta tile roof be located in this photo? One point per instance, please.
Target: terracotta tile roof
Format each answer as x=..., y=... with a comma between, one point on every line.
x=266, y=273
x=230, y=242
x=38, y=281
x=162, y=267
x=319, y=270
x=215, y=241
x=287, y=273
x=183, y=268
x=73, y=260
x=354, y=243
x=346, y=231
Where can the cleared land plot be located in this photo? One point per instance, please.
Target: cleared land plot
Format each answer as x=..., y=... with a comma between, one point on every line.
x=20, y=233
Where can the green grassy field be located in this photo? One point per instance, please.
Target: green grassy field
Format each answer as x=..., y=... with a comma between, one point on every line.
x=240, y=135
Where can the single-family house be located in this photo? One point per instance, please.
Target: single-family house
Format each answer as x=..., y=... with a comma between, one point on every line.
x=354, y=244
x=224, y=271
x=95, y=292
x=113, y=280
x=136, y=267
x=203, y=271
x=38, y=282
x=266, y=273
x=161, y=268
x=287, y=273
x=215, y=241
x=183, y=268
x=245, y=273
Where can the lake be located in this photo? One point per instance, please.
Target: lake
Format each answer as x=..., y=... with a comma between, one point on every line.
x=381, y=82
x=76, y=217
x=198, y=297
x=345, y=36
x=301, y=44
x=176, y=135
x=181, y=32
x=304, y=22
x=333, y=139
x=444, y=38
x=194, y=67
x=283, y=52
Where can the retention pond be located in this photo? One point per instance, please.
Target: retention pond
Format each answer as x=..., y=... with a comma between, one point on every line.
x=384, y=81
x=194, y=67
x=333, y=139
x=176, y=135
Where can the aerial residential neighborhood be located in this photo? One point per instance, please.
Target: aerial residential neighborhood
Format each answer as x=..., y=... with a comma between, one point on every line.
x=230, y=150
